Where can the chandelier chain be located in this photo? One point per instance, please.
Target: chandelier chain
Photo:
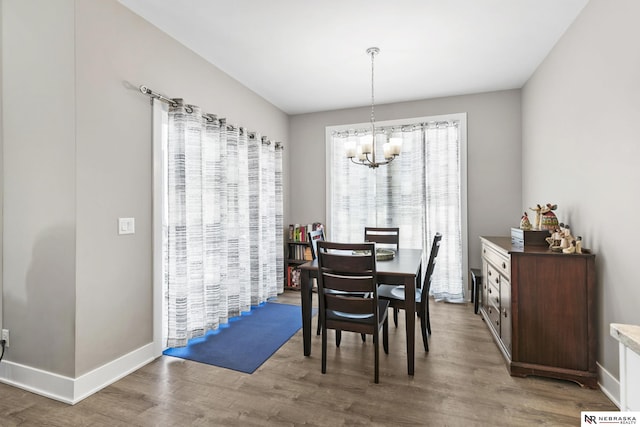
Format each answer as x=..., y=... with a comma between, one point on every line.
x=373, y=118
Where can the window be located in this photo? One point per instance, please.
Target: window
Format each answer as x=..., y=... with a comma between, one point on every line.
x=423, y=191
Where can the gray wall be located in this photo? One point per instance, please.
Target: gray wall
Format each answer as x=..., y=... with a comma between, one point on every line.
x=493, y=153
x=39, y=184
x=77, y=155
x=1, y=164
x=581, y=111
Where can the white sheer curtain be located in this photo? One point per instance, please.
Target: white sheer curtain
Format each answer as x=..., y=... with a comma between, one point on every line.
x=211, y=249
x=420, y=192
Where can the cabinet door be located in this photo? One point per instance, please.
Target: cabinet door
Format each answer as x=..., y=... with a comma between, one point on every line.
x=553, y=316
x=505, y=313
x=485, y=285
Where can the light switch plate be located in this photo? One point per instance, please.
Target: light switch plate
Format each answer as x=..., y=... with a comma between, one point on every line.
x=126, y=225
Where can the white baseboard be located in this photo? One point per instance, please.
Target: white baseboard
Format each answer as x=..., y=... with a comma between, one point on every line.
x=609, y=385
x=73, y=390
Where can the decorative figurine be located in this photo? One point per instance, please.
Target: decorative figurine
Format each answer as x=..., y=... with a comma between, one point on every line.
x=536, y=221
x=549, y=220
x=570, y=249
x=566, y=237
x=524, y=222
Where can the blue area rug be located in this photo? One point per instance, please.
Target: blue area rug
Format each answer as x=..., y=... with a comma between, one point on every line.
x=247, y=341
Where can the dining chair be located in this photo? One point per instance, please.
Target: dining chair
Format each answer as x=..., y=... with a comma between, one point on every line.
x=386, y=237
x=345, y=273
x=314, y=237
x=395, y=294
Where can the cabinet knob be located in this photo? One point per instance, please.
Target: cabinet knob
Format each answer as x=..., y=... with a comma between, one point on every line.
x=497, y=280
x=489, y=290
x=504, y=265
x=504, y=312
x=489, y=273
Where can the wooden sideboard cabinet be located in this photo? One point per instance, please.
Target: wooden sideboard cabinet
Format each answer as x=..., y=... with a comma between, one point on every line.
x=540, y=308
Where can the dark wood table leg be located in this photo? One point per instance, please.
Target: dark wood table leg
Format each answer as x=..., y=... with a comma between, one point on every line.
x=410, y=313
x=305, y=296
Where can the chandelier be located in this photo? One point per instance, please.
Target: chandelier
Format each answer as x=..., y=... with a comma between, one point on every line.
x=364, y=152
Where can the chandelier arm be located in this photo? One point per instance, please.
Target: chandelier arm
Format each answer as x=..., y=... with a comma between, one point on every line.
x=371, y=163
x=386, y=162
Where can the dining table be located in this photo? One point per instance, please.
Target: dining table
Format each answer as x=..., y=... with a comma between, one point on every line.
x=405, y=268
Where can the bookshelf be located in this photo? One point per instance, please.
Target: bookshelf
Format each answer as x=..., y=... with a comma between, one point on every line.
x=298, y=251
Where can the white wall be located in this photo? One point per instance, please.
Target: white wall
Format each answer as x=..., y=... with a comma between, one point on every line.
x=77, y=155
x=493, y=150
x=581, y=111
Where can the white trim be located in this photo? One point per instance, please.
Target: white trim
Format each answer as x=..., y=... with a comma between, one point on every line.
x=462, y=119
x=70, y=390
x=159, y=137
x=609, y=385
x=328, y=183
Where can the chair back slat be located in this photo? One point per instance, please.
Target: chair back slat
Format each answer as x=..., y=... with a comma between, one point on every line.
x=387, y=236
x=348, y=283
x=348, y=262
x=347, y=304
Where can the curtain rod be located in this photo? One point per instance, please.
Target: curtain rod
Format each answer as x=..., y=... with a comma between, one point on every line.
x=157, y=96
x=209, y=117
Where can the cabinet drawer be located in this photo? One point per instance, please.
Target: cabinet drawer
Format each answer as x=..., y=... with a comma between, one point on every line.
x=494, y=318
x=493, y=295
x=493, y=277
x=500, y=261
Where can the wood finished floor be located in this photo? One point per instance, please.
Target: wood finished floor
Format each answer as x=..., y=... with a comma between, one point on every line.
x=462, y=381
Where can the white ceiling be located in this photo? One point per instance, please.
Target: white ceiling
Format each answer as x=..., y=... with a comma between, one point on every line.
x=305, y=56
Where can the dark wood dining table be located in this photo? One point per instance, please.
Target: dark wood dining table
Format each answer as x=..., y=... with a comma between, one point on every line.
x=404, y=269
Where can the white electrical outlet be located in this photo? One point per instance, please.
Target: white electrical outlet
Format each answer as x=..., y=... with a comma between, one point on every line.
x=5, y=337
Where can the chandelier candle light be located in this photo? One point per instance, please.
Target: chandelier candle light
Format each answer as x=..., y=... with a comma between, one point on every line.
x=365, y=150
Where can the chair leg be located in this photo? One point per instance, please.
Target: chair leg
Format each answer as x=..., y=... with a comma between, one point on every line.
x=364, y=337
x=427, y=316
x=319, y=320
x=376, y=338
x=385, y=336
x=395, y=316
x=338, y=337
x=324, y=350
x=423, y=327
